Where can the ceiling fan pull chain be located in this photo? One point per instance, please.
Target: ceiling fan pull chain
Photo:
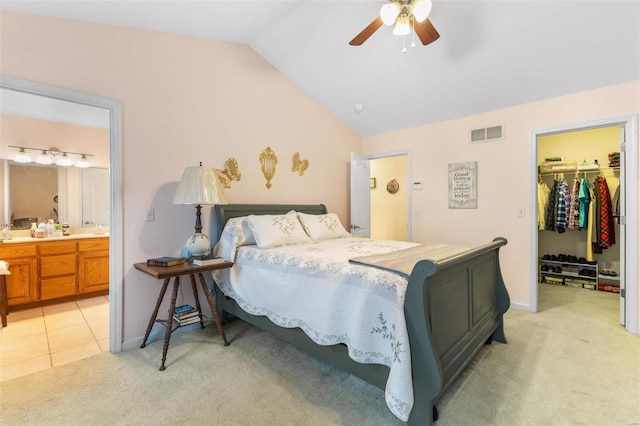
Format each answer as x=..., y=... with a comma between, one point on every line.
x=413, y=32
x=404, y=43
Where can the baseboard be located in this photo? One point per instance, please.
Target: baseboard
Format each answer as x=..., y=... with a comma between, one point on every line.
x=520, y=306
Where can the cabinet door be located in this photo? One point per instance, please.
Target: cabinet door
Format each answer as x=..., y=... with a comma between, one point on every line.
x=94, y=271
x=22, y=283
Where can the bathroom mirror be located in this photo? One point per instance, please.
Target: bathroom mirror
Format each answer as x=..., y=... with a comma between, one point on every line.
x=42, y=126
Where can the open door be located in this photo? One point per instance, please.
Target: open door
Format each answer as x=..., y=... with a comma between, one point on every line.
x=360, y=195
x=623, y=231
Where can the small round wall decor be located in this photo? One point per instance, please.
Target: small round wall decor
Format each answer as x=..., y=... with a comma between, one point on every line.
x=392, y=186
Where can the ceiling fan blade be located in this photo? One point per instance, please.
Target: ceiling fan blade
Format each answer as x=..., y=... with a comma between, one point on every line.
x=426, y=31
x=367, y=32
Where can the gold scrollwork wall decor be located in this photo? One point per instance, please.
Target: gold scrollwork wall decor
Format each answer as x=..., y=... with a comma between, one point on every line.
x=299, y=165
x=268, y=160
x=230, y=172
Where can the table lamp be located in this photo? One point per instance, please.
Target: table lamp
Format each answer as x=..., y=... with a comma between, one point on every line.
x=199, y=185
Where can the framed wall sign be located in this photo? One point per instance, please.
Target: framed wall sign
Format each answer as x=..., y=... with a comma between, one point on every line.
x=463, y=185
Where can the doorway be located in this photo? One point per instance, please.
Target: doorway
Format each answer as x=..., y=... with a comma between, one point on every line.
x=381, y=196
x=621, y=259
x=114, y=110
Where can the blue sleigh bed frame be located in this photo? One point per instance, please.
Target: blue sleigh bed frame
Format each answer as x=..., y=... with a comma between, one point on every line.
x=452, y=309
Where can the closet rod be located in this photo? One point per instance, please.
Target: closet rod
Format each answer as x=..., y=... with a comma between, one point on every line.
x=602, y=169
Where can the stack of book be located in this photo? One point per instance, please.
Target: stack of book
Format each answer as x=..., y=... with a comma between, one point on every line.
x=186, y=314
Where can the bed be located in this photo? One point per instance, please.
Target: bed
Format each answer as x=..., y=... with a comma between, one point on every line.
x=449, y=308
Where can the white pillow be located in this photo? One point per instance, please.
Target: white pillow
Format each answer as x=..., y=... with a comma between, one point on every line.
x=277, y=230
x=323, y=226
x=236, y=233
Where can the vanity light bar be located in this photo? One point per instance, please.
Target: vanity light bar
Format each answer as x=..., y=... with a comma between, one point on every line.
x=60, y=157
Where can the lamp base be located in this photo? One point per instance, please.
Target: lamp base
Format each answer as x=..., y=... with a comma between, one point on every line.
x=198, y=245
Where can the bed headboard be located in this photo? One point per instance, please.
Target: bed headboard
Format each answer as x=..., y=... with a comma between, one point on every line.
x=222, y=213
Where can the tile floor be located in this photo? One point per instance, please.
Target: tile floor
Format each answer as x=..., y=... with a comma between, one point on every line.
x=40, y=338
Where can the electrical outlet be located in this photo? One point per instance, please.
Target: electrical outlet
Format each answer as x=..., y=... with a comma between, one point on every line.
x=417, y=212
x=522, y=212
x=149, y=216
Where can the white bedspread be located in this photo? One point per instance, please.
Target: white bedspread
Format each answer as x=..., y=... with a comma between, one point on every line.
x=314, y=287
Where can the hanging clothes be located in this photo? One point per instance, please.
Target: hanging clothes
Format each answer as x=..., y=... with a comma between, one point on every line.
x=596, y=236
x=552, y=208
x=543, y=201
x=573, y=212
x=615, y=204
x=584, y=201
x=607, y=236
x=561, y=220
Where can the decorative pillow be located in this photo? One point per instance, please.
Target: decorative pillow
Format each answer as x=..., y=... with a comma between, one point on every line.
x=323, y=226
x=236, y=233
x=277, y=230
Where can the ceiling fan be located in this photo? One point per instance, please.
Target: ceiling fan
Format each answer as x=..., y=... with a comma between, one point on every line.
x=405, y=14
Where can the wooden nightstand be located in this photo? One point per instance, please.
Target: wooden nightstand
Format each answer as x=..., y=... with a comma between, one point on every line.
x=175, y=272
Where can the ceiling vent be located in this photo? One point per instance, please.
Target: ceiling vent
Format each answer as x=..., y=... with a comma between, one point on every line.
x=487, y=134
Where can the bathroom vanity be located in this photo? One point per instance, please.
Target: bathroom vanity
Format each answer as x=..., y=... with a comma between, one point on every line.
x=55, y=269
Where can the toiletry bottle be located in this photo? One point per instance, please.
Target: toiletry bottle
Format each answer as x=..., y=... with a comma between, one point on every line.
x=32, y=232
x=66, y=229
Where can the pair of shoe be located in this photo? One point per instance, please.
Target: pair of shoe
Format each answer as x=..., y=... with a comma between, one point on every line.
x=549, y=268
x=609, y=272
x=587, y=272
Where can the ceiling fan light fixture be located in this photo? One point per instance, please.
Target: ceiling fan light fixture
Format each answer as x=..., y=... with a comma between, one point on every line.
x=422, y=9
x=389, y=13
x=402, y=26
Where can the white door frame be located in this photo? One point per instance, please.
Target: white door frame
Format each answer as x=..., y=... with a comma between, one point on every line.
x=630, y=169
x=406, y=152
x=115, y=169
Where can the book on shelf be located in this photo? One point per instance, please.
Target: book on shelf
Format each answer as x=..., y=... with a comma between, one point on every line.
x=187, y=321
x=165, y=261
x=208, y=261
x=184, y=310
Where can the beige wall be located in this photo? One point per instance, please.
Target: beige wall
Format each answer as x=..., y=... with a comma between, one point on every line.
x=185, y=100
x=503, y=171
x=390, y=212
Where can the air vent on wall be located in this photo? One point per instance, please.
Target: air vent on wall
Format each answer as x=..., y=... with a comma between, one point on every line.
x=487, y=134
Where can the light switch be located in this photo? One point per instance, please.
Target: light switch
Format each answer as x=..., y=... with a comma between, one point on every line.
x=149, y=216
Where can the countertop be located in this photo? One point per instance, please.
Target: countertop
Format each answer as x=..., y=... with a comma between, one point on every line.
x=40, y=240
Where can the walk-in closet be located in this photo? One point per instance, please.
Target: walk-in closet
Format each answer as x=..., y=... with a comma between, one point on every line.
x=578, y=209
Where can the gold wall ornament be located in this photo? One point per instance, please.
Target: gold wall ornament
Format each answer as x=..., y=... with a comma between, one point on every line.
x=299, y=165
x=230, y=172
x=268, y=160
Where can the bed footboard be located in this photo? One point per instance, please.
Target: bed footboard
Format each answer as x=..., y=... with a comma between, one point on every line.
x=452, y=308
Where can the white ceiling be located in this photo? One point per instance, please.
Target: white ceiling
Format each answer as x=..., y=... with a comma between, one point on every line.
x=491, y=53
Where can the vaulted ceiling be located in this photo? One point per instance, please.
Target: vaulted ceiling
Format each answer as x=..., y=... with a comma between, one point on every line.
x=491, y=54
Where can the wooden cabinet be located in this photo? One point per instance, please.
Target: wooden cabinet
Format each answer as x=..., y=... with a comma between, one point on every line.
x=22, y=283
x=58, y=269
x=47, y=270
x=93, y=265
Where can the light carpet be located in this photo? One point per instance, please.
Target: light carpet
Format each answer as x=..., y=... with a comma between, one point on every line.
x=570, y=364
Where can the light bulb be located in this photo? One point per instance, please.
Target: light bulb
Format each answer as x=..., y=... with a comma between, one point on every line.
x=83, y=163
x=22, y=157
x=64, y=161
x=389, y=13
x=422, y=9
x=43, y=158
x=402, y=26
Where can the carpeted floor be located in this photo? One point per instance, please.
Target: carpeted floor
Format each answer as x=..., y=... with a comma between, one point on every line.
x=569, y=364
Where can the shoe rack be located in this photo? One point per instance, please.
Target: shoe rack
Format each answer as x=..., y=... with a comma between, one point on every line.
x=569, y=271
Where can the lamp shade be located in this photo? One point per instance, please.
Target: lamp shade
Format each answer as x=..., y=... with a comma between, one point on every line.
x=199, y=185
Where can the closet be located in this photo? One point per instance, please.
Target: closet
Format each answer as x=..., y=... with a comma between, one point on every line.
x=578, y=191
